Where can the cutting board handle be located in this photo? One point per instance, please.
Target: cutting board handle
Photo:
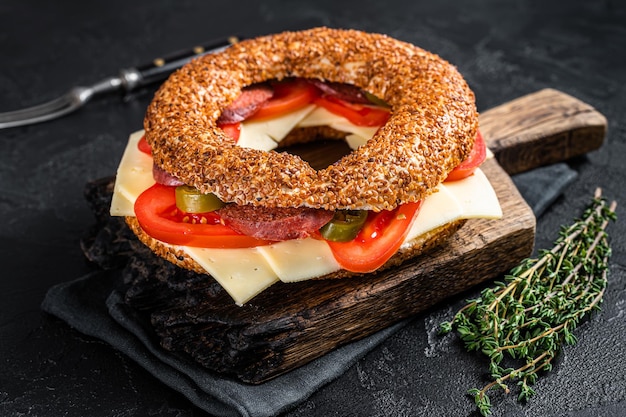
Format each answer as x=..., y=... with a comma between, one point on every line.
x=541, y=128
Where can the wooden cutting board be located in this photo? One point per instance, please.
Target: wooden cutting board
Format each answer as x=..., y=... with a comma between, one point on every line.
x=291, y=324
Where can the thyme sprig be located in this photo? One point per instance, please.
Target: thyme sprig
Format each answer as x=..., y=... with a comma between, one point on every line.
x=523, y=322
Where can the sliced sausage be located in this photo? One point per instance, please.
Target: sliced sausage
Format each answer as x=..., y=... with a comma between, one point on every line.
x=274, y=223
x=250, y=100
x=163, y=177
x=346, y=92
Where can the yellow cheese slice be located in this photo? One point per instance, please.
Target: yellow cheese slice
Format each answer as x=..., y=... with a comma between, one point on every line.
x=437, y=210
x=471, y=197
x=298, y=260
x=249, y=137
x=255, y=134
x=476, y=200
x=243, y=273
x=322, y=117
x=364, y=132
x=354, y=141
x=134, y=174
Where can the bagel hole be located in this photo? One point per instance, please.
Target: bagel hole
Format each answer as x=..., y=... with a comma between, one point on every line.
x=319, y=153
x=319, y=146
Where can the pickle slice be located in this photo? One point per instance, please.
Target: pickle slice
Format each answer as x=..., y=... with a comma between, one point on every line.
x=375, y=100
x=344, y=226
x=190, y=200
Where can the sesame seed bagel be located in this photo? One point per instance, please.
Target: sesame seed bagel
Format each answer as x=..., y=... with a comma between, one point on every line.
x=431, y=128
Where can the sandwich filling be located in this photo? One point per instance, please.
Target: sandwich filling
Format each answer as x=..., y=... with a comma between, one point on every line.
x=246, y=259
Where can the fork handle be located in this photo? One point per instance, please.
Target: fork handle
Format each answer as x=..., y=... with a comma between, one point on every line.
x=160, y=68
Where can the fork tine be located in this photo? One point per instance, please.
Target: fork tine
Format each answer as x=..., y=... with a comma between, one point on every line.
x=22, y=121
x=52, y=109
x=38, y=110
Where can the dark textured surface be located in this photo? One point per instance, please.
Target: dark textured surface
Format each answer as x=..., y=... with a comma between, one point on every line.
x=505, y=50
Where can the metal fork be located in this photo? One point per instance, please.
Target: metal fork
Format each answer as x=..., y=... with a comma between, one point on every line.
x=128, y=79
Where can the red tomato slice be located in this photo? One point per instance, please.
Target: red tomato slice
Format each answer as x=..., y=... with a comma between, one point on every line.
x=231, y=129
x=474, y=160
x=379, y=239
x=143, y=146
x=358, y=114
x=288, y=96
x=158, y=216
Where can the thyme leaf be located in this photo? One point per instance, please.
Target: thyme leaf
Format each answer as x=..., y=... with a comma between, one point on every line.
x=526, y=319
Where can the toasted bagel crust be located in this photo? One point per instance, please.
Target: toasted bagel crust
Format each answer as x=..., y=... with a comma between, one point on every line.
x=431, y=128
x=168, y=252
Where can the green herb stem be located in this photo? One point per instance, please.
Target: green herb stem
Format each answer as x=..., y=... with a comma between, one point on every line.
x=532, y=314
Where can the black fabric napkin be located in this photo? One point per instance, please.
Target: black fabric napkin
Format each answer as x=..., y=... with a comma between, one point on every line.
x=93, y=305
x=542, y=186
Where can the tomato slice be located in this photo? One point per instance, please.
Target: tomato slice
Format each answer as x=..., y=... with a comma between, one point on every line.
x=358, y=114
x=158, y=216
x=380, y=238
x=289, y=95
x=474, y=160
x=231, y=129
x=143, y=146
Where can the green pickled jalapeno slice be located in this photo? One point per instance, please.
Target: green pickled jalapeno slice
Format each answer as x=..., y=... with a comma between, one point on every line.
x=375, y=100
x=190, y=200
x=344, y=226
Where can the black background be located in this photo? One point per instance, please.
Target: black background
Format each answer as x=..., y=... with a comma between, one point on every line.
x=505, y=49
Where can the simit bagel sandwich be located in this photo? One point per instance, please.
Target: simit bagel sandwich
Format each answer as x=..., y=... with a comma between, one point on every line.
x=206, y=185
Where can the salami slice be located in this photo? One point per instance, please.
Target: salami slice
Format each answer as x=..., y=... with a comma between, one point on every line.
x=250, y=100
x=162, y=177
x=341, y=91
x=274, y=223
